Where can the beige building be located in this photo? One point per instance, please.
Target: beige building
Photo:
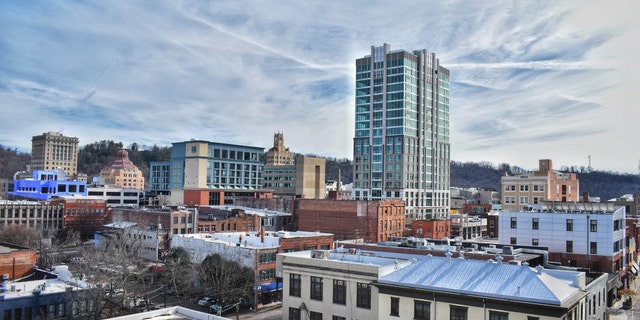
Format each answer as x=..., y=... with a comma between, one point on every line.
x=53, y=151
x=304, y=179
x=36, y=215
x=123, y=173
x=354, y=284
x=544, y=184
x=279, y=155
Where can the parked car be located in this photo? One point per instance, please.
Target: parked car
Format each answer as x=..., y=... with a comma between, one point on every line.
x=206, y=301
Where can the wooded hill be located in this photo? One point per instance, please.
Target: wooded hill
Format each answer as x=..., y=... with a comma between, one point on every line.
x=95, y=156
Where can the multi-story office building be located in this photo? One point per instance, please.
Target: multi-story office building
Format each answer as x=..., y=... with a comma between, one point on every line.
x=522, y=189
x=203, y=164
x=123, y=173
x=585, y=235
x=401, y=144
x=53, y=151
x=204, y=172
x=160, y=173
x=304, y=179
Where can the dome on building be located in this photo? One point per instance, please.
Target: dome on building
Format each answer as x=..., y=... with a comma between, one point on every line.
x=122, y=172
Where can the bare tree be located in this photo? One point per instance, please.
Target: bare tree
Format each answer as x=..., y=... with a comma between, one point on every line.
x=225, y=279
x=179, y=273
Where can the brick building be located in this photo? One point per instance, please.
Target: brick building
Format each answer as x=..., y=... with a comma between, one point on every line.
x=16, y=261
x=372, y=221
x=520, y=190
x=432, y=229
x=85, y=215
x=211, y=219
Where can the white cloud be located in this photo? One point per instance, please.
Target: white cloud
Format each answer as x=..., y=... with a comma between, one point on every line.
x=530, y=80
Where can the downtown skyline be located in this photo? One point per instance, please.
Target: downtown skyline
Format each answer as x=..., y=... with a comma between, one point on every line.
x=529, y=80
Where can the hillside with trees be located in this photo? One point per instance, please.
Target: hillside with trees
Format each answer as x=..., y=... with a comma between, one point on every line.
x=604, y=184
x=95, y=156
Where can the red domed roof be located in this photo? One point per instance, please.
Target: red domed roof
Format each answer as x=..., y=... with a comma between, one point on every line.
x=122, y=161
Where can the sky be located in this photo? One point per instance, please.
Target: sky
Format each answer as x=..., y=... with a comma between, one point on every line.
x=530, y=80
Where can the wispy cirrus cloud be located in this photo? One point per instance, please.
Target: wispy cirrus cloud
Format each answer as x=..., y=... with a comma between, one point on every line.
x=529, y=80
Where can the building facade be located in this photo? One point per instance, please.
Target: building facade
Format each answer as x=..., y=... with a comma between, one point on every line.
x=370, y=221
x=585, y=235
x=16, y=261
x=303, y=179
x=520, y=190
x=53, y=151
x=46, y=184
x=279, y=155
x=202, y=164
x=354, y=284
x=84, y=215
x=123, y=173
x=116, y=196
x=401, y=144
x=159, y=177
x=33, y=214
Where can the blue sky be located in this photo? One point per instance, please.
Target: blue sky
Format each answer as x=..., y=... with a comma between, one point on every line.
x=530, y=79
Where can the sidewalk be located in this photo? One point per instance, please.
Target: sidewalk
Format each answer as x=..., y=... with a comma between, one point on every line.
x=618, y=313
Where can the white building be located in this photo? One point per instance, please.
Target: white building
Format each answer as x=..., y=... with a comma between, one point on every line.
x=588, y=235
x=116, y=196
x=375, y=285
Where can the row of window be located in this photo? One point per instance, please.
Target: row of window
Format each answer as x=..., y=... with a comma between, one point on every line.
x=524, y=188
x=535, y=224
x=316, y=288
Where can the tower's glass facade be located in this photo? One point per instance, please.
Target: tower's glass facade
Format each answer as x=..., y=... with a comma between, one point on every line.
x=401, y=143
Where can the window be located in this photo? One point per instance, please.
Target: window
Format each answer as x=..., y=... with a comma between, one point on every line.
x=533, y=318
x=534, y=242
x=524, y=200
x=594, y=225
x=294, y=314
x=395, y=307
x=569, y=246
x=316, y=288
x=421, y=310
x=338, y=318
x=524, y=188
x=534, y=223
x=514, y=240
x=594, y=248
x=494, y=315
x=514, y=222
x=339, y=292
x=315, y=315
x=364, y=295
x=569, y=224
x=457, y=313
x=294, y=284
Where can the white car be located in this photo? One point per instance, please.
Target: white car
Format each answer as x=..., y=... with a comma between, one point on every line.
x=205, y=301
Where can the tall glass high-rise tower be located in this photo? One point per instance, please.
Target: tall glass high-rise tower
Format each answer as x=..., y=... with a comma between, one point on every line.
x=401, y=144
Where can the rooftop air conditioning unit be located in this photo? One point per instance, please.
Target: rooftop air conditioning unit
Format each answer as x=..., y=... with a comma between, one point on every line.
x=5, y=276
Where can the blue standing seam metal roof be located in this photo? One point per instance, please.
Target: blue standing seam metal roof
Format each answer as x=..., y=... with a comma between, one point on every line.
x=486, y=278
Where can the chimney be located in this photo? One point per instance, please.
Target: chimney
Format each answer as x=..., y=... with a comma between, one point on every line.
x=585, y=196
x=261, y=235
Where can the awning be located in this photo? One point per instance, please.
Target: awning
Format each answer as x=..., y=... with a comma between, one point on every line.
x=269, y=287
x=634, y=267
